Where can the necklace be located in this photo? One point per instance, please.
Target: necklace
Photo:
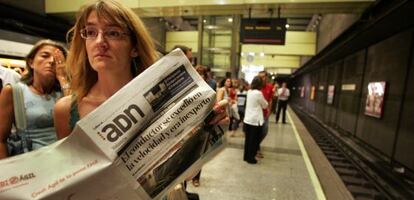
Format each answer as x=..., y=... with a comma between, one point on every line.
x=37, y=91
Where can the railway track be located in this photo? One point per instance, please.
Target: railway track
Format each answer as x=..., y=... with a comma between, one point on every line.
x=362, y=175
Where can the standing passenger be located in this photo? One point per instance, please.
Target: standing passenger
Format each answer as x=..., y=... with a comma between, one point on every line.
x=254, y=120
x=225, y=93
x=187, y=51
x=109, y=47
x=41, y=87
x=267, y=91
x=202, y=71
x=241, y=99
x=8, y=76
x=283, y=96
x=274, y=100
x=210, y=79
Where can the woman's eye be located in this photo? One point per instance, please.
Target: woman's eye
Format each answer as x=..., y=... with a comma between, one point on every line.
x=113, y=34
x=91, y=32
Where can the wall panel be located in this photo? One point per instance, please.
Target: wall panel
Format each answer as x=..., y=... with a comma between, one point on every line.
x=334, y=77
x=405, y=140
x=349, y=100
x=320, y=98
x=386, y=61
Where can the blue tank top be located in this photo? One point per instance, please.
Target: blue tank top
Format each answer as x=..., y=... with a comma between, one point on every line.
x=39, y=115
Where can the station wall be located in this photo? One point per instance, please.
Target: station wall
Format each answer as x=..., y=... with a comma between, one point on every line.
x=390, y=60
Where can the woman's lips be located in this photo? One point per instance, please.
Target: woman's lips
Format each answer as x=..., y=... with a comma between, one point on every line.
x=102, y=56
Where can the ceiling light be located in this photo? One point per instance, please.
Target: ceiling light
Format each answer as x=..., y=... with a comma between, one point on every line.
x=204, y=20
x=230, y=19
x=261, y=54
x=242, y=54
x=287, y=26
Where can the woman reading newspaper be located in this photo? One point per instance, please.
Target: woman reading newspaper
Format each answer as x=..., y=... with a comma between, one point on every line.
x=109, y=47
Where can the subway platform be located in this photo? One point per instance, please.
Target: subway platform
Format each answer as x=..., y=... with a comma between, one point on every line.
x=293, y=167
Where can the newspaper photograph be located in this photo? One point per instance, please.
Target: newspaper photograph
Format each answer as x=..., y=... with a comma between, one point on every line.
x=149, y=136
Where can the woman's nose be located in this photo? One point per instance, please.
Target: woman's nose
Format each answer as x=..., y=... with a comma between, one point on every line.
x=101, y=41
x=52, y=60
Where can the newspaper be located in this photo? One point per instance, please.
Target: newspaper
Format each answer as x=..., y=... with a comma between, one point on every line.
x=149, y=136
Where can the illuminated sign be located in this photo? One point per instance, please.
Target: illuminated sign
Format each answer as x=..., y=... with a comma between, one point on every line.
x=263, y=31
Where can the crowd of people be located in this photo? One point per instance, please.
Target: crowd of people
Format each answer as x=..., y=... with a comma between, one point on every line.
x=252, y=105
x=109, y=46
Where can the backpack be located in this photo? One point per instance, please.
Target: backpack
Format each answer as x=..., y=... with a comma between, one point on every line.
x=17, y=142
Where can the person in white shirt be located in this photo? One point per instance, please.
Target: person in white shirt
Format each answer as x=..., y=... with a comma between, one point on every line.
x=283, y=96
x=253, y=120
x=8, y=76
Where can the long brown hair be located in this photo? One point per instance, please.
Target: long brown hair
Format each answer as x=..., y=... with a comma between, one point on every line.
x=83, y=77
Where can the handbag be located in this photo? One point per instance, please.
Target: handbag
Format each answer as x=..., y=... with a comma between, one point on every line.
x=234, y=111
x=17, y=142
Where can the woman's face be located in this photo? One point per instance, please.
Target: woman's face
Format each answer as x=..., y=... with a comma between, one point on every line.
x=227, y=83
x=43, y=63
x=189, y=54
x=202, y=73
x=107, y=53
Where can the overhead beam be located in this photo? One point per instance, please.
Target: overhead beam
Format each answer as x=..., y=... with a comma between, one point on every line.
x=259, y=8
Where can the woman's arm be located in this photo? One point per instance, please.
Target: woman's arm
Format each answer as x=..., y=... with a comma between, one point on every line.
x=262, y=100
x=220, y=114
x=61, y=117
x=7, y=118
x=220, y=94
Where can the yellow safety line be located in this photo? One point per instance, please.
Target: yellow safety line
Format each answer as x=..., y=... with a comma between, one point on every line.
x=314, y=179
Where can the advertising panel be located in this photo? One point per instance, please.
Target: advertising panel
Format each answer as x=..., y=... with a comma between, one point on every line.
x=302, y=92
x=312, y=93
x=375, y=99
x=331, y=94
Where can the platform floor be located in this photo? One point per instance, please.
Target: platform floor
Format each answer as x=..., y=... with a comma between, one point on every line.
x=285, y=172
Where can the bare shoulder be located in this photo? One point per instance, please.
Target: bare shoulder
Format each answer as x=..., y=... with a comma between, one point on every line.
x=221, y=90
x=63, y=104
x=220, y=94
x=6, y=97
x=6, y=112
x=62, y=116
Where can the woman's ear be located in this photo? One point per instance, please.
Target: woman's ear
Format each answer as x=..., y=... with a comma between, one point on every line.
x=134, y=52
x=30, y=63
